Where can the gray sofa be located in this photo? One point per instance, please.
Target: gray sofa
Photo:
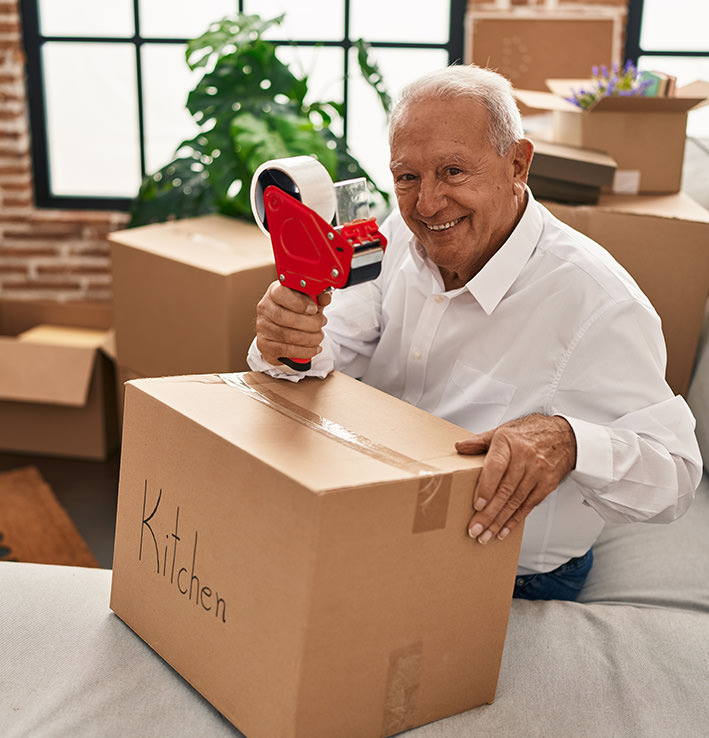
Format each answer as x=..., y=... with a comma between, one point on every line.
x=630, y=659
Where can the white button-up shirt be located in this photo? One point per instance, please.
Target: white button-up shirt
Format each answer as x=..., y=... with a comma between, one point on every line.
x=551, y=324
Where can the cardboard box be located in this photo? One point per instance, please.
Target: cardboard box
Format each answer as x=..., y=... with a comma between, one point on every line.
x=663, y=241
x=568, y=173
x=57, y=381
x=531, y=45
x=299, y=554
x=185, y=294
x=645, y=135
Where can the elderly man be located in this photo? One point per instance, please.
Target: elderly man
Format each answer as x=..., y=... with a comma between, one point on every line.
x=491, y=313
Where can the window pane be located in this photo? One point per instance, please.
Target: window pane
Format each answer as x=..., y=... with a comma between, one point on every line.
x=181, y=18
x=368, y=133
x=86, y=18
x=92, y=126
x=412, y=21
x=324, y=67
x=687, y=70
x=681, y=25
x=166, y=82
x=306, y=20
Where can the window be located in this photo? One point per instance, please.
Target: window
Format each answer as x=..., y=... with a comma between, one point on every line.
x=672, y=38
x=107, y=82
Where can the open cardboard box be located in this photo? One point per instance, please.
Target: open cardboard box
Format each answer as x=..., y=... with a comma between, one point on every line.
x=663, y=241
x=299, y=554
x=645, y=135
x=185, y=294
x=57, y=385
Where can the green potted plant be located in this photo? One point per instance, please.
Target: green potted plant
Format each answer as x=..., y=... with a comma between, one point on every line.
x=250, y=108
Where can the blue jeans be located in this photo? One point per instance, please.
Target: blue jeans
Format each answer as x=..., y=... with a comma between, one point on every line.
x=563, y=583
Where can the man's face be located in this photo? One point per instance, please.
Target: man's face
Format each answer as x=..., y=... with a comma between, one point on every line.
x=459, y=197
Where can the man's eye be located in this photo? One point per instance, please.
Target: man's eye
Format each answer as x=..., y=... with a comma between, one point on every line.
x=453, y=171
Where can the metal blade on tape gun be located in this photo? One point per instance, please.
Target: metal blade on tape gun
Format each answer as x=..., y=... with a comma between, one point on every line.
x=294, y=202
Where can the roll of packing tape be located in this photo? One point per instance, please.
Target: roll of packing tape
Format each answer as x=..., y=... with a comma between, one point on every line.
x=301, y=176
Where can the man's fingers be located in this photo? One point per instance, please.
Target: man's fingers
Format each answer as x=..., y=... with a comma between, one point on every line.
x=496, y=501
x=495, y=468
x=526, y=460
x=289, y=323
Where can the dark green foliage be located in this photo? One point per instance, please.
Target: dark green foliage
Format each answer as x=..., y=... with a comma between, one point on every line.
x=250, y=108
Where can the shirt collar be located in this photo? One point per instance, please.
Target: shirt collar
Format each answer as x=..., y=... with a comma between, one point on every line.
x=493, y=281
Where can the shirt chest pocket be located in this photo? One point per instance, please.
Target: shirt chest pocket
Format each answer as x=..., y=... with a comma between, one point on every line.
x=475, y=400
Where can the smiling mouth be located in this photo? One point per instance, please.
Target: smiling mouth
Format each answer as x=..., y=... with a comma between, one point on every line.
x=443, y=226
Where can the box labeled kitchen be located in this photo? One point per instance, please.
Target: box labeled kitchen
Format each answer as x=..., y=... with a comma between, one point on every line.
x=299, y=553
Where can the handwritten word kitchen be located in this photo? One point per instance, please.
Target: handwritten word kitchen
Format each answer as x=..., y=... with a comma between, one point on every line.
x=168, y=556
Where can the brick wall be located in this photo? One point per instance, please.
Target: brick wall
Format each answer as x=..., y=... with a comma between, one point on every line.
x=63, y=254
x=44, y=254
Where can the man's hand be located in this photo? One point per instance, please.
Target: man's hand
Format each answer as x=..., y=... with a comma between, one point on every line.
x=289, y=323
x=526, y=460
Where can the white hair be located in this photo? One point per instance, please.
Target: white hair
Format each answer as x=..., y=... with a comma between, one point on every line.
x=477, y=83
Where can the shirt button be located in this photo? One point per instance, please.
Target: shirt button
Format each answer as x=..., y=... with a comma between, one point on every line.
x=438, y=298
x=417, y=355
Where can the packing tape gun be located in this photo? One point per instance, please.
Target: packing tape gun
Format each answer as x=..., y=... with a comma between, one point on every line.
x=294, y=202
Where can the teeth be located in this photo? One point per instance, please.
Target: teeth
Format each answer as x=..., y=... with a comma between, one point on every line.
x=443, y=226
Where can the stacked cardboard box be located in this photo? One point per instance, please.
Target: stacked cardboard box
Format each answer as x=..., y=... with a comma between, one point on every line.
x=644, y=135
x=185, y=294
x=299, y=553
x=568, y=173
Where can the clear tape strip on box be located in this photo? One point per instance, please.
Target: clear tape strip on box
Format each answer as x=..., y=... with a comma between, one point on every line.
x=434, y=486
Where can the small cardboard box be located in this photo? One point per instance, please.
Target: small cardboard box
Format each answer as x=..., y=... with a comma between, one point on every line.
x=299, y=554
x=645, y=135
x=663, y=241
x=57, y=381
x=568, y=173
x=185, y=294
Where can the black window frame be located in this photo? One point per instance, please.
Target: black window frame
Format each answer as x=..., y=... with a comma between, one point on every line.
x=33, y=41
x=633, y=49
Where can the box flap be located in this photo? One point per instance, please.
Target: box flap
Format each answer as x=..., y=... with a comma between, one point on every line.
x=544, y=101
x=699, y=89
x=686, y=98
x=20, y=315
x=678, y=206
x=213, y=242
x=62, y=335
x=45, y=373
x=640, y=104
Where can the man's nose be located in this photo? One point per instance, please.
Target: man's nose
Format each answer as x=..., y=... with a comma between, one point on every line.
x=431, y=198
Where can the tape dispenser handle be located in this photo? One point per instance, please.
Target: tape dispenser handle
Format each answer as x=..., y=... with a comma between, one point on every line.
x=305, y=179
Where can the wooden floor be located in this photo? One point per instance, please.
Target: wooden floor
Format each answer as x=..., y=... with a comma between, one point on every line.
x=88, y=489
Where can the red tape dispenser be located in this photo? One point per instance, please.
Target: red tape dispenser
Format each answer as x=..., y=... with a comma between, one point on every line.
x=294, y=202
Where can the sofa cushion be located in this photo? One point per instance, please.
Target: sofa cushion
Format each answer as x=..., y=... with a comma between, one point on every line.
x=647, y=564
x=698, y=394
x=70, y=669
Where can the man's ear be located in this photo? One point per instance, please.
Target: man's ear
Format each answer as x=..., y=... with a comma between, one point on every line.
x=523, y=153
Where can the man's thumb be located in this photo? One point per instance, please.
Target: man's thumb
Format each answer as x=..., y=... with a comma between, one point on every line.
x=476, y=444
